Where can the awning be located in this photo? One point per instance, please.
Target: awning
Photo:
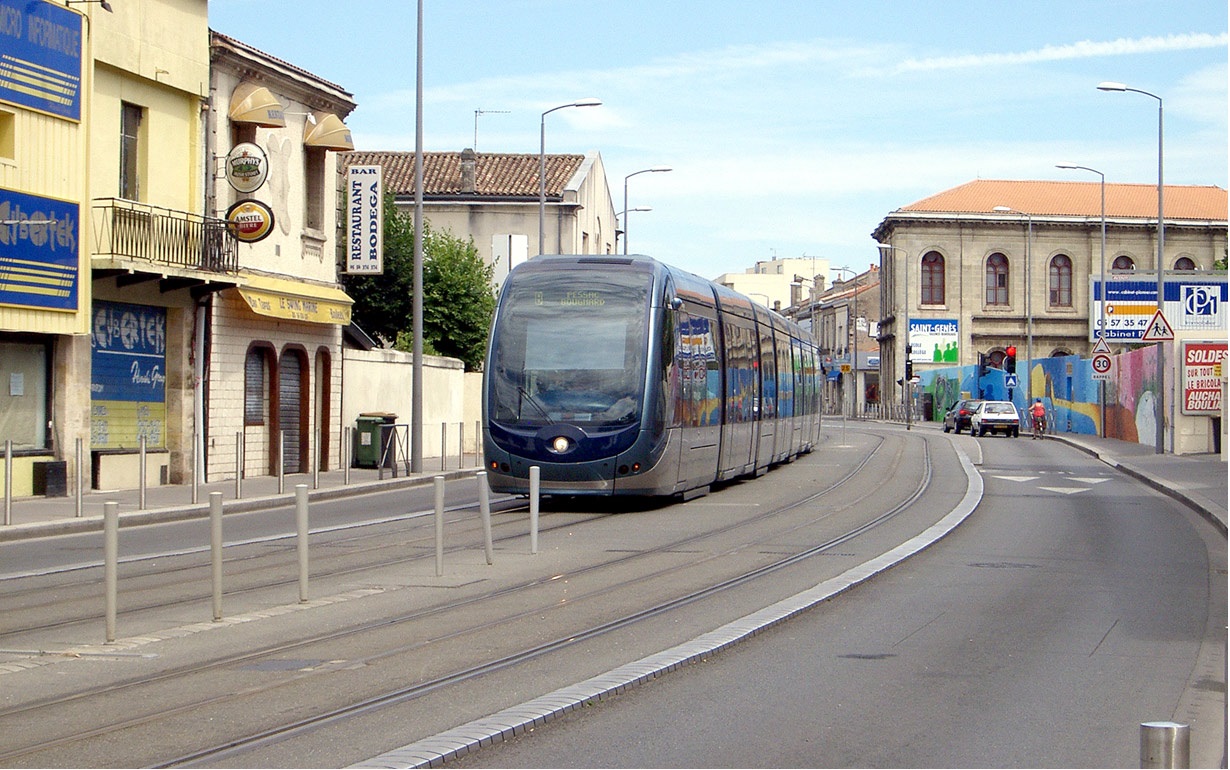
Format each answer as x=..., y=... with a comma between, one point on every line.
x=324, y=129
x=295, y=301
x=251, y=103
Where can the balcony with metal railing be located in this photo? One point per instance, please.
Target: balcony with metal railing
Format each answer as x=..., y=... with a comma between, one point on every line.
x=151, y=238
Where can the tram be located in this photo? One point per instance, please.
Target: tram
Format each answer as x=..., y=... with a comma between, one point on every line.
x=625, y=376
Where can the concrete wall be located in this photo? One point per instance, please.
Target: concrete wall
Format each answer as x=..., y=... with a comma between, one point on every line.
x=381, y=381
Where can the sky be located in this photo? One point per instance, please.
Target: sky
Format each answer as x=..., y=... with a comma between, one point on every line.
x=792, y=127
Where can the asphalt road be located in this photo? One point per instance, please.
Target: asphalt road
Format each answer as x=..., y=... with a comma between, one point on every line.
x=1072, y=606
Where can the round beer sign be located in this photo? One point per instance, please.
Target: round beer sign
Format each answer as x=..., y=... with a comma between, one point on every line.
x=249, y=221
x=247, y=167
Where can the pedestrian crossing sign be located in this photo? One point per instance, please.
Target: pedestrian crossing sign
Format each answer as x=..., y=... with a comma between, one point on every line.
x=1159, y=329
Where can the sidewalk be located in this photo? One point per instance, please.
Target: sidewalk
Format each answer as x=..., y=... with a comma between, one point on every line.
x=44, y=516
x=1200, y=481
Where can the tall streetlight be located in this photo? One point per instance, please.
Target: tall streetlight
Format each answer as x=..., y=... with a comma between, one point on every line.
x=542, y=164
x=907, y=389
x=622, y=217
x=852, y=323
x=1160, y=444
x=1102, y=303
x=654, y=170
x=1029, y=289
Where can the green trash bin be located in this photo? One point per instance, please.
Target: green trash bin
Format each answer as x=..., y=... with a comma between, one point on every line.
x=369, y=442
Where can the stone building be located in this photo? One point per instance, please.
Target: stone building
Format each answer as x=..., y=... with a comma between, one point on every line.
x=996, y=263
x=273, y=369
x=493, y=198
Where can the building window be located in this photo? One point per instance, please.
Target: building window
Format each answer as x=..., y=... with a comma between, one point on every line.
x=1061, y=281
x=130, y=151
x=314, y=188
x=997, y=279
x=932, y=278
x=1123, y=263
x=1184, y=263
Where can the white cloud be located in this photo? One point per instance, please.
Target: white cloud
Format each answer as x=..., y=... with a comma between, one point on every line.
x=1082, y=50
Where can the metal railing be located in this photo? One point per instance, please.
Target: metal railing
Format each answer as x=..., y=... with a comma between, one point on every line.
x=131, y=230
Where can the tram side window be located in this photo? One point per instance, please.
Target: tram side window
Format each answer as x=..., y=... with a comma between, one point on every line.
x=699, y=401
x=785, y=379
x=740, y=374
x=768, y=372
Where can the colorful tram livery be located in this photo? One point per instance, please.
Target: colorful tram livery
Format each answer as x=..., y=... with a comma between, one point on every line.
x=625, y=376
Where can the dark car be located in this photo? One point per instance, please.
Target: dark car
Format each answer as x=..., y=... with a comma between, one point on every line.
x=957, y=418
x=995, y=417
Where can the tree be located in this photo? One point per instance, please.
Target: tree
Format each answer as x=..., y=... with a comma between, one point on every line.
x=458, y=299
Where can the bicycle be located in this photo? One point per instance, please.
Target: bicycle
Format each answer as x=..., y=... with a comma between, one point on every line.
x=1039, y=427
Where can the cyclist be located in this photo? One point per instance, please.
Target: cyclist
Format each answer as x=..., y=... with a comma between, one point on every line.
x=1037, y=414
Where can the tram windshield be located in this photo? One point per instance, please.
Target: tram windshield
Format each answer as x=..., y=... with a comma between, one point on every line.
x=569, y=346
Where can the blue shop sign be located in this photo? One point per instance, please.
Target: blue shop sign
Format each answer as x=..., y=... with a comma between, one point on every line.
x=41, y=65
x=39, y=254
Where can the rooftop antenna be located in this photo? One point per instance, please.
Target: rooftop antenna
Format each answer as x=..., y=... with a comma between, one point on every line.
x=484, y=112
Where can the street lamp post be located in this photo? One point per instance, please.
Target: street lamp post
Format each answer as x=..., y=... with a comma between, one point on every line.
x=622, y=218
x=1102, y=303
x=852, y=323
x=654, y=170
x=542, y=164
x=1160, y=443
x=907, y=388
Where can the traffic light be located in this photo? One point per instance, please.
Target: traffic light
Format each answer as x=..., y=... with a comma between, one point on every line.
x=1010, y=360
x=909, y=370
x=982, y=367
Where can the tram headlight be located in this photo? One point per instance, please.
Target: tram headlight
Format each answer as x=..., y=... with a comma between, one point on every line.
x=560, y=444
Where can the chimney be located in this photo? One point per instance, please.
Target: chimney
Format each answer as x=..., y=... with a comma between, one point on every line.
x=468, y=164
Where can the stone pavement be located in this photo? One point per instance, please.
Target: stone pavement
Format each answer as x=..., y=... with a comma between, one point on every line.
x=1200, y=481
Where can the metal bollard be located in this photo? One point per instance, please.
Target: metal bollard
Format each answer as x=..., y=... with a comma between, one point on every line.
x=438, y=483
x=484, y=513
x=461, y=445
x=111, y=550
x=301, y=525
x=1165, y=745
x=346, y=456
x=141, y=473
x=215, y=550
x=444, y=446
x=80, y=492
x=316, y=464
x=8, y=482
x=535, y=474
x=238, y=465
x=281, y=462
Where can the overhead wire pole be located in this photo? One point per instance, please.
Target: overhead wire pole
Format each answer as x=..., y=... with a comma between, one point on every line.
x=416, y=385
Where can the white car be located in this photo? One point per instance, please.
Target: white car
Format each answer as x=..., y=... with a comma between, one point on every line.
x=995, y=417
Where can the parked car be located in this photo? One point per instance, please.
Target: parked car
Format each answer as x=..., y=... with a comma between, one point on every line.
x=957, y=417
x=995, y=417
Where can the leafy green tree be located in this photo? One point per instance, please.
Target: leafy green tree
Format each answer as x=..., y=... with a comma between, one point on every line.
x=458, y=299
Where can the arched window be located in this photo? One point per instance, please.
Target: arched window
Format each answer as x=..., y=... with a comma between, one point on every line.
x=932, y=278
x=1123, y=263
x=1184, y=263
x=1060, y=281
x=997, y=279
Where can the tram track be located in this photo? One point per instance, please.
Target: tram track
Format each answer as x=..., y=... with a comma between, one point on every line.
x=31, y=711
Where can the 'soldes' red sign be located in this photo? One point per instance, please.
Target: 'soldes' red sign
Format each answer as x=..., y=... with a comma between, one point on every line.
x=1203, y=364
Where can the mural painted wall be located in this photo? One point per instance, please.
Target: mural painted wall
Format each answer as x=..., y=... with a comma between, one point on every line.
x=1067, y=387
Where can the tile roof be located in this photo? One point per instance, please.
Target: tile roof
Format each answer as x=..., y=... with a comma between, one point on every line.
x=496, y=175
x=1042, y=198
